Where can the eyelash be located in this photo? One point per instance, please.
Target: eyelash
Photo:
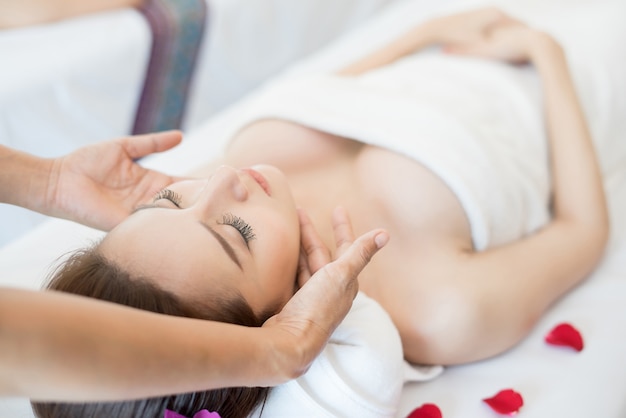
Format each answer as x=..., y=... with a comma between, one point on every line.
x=170, y=195
x=236, y=222
x=240, y=225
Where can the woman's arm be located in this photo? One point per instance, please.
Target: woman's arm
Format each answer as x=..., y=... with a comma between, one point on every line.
x=60, y=347
x=578, y=194
x=536, y=271
x=503, y=291
x=458, y=28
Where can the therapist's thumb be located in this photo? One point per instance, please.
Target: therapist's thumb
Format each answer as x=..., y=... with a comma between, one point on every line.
x=139, y=146
x=353, y=258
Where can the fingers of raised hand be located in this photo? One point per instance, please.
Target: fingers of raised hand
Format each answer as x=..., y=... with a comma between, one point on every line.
x=358, y=254
x=315, y=252
x=351, y=256
x=354, y=257
x=303, y=265
x=342, y=228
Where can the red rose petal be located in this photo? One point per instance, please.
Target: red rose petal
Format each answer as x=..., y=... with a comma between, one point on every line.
x=565, y=335
x=506, y=402
x=428, y=410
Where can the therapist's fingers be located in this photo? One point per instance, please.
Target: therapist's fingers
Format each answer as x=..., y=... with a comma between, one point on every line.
x=303, y=269
x=306, y=322
x=353, y=257
x=141, y=145
x=325, y=299
x=313, y=249
x=342, y=228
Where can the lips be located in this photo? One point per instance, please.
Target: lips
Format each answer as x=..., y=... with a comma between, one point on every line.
x=260, y=179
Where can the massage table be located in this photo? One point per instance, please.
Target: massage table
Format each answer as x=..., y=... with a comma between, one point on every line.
x=554, y=381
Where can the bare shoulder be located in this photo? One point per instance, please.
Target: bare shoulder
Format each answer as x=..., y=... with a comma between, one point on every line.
x=415, y=201
x=285, y=144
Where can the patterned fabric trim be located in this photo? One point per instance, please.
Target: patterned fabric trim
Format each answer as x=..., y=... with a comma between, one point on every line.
x=177, y=29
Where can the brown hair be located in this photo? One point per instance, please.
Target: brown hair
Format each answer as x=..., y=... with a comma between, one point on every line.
x=90, y=274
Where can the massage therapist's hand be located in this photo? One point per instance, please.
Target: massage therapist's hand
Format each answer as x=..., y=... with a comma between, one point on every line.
x=100, y=184
x=328, y=288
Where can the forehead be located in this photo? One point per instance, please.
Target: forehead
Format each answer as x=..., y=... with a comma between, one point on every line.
x=172, y=250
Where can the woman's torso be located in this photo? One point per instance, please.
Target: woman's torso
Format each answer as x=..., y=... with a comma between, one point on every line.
x=447, y=155
x=470, y=130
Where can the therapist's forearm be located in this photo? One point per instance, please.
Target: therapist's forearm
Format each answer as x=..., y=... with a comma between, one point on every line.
x=30, y=12
x=23, y=179
x=60, y=347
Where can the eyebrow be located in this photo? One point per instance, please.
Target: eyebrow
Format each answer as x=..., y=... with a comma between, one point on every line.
x=225, y=245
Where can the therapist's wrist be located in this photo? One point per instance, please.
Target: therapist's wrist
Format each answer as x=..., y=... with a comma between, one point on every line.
x=290, y=352
x=37, y=190
x=24, y=179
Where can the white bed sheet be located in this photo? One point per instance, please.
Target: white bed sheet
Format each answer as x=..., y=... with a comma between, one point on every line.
x=555, y=382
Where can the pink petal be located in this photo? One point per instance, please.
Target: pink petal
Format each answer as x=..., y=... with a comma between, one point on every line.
x=206, y=414
x=200, y=414
x=428, y=410
x=565, y=335
x=506, y=402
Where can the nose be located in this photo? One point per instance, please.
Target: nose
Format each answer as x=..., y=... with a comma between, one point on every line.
x=225, y=184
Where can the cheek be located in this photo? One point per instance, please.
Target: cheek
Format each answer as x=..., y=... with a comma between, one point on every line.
x=280, y=231
x=283, y=259
x=282, y=256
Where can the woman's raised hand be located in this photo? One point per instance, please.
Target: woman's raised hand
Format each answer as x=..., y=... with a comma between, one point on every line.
x=487, y=33
x=328, y=287
x=463, y=27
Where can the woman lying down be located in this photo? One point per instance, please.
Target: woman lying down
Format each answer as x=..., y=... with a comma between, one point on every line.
x=449, y=154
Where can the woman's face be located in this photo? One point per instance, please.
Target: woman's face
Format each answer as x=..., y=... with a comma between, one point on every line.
x=237, y=230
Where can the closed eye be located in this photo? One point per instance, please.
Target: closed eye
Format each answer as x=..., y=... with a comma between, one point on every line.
x=244, y=228
x=170, y=195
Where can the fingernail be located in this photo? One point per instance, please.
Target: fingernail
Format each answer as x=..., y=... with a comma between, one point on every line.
x=381, y=239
